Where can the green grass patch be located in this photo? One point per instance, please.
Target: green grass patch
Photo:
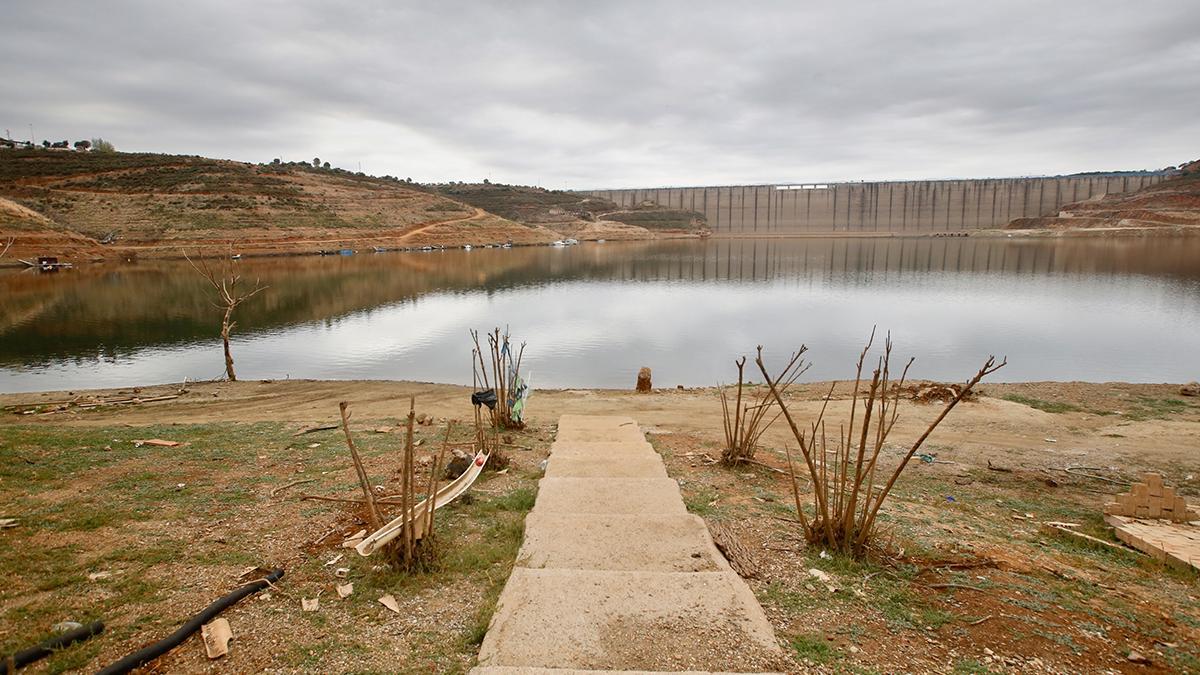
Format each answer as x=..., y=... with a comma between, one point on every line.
x=813, y=647
x=702, y=502
x=1044, y=406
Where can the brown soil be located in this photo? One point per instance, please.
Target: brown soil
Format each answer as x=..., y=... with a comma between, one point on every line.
x=1046, y=606
x=1172, y=204
x=154, y=205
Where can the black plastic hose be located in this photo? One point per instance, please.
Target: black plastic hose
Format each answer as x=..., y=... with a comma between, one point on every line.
x=148, y=654
x=47, y=647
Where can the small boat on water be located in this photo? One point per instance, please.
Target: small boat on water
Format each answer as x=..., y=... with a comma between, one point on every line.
x=467, y=247
x=378, y=249
x=46, y=264
x=346, y=251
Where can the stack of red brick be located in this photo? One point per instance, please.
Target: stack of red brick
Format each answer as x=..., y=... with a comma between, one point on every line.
x=1151, y=499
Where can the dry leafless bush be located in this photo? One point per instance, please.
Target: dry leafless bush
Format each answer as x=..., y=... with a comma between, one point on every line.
x=502, y=377
x=846, y=498
x=414, y=548
x=746, y=416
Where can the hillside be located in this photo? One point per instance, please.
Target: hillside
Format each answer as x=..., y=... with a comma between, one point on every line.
x=1173, y=203
x=150, y=204
x=575, y=215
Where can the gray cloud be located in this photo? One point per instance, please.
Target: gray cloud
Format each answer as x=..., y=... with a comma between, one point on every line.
x=620, y=93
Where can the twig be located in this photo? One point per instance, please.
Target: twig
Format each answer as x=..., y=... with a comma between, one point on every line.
x=953, y=585
x=388, y=501
x=979, y=621
x=755, y=462
x=281, y=488
x=372, y=510
x=1076, y=471
x=309, y=430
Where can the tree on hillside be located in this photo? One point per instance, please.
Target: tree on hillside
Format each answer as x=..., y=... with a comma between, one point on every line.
x=101, y=145
x=276, y=161
x=224, y=281
x=325, y=165
x=83, y=145
x=316, y=162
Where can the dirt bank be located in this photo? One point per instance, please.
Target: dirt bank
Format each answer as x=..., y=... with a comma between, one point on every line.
x=1114, y=421
x=142, y=536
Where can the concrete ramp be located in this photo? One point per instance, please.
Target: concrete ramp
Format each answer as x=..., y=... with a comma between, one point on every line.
x=615, y=575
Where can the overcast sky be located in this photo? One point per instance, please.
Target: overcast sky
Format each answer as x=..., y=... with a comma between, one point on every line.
x=616, y=94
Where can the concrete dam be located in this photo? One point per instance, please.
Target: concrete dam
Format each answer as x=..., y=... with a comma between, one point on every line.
x=893, y=206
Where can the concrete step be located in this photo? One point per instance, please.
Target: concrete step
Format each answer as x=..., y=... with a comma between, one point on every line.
x=609, y=495
x=651, y=543
x=508, y=670
x=597, y=428
x=602, y=448
x=595, y=422
x=654, y=621
x=583, y=466
x=589, y=434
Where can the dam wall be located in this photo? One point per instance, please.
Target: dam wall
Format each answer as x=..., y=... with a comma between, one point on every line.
x=893, y=206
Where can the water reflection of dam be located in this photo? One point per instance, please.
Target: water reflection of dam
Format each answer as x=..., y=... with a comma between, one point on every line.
x=115, y=310
x=895, y=206
x=882, y=258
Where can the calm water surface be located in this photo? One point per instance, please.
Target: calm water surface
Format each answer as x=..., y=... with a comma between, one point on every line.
x=593, y=314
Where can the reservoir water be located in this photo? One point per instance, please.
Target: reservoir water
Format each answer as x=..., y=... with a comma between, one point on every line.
x=1125, y=309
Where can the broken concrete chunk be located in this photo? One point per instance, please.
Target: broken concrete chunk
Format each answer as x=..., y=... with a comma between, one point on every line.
x=310, y=604
x=156, y=442
x=389, y=601
x=344, y=590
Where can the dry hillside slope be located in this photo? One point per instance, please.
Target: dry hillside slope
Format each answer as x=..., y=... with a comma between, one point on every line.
x=1171, y=204
x=149, y=204
x=576, y=215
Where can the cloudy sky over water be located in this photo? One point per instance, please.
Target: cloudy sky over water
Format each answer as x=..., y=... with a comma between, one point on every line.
x=613, y=94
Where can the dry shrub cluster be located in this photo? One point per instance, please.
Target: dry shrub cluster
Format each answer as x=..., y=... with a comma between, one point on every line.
x=849, y=485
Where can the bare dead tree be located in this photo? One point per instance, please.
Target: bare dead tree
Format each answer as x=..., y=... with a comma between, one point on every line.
x=224, y=280
x=7, y=246
x=845, y=498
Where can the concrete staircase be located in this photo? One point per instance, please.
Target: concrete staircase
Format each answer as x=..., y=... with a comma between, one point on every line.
x=615, y=575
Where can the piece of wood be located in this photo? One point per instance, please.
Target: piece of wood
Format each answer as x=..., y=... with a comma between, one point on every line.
x=372, y=510
x=352, y=540
x=309, y=430
x=730, y=546
x=281, y=488
x=216, y=634
x=1058, y=530
x=345, y=590
x=310, y=604
x=157, y=442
